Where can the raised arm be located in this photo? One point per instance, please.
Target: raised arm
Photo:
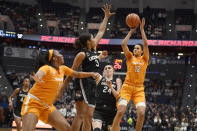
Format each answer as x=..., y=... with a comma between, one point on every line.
x=144, y=39
x=16, y=91
x=103, y=25
x=124, y=44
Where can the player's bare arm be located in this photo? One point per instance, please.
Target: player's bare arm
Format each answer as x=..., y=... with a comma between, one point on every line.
x=103, y=25
x=16, y=91
x=144, y=39
x=114, y=92
x=125, y=42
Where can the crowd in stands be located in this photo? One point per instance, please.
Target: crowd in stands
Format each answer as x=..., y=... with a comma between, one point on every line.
x=184, y=17
x=67, y=19
x=16, y=79
x=164, y=91
x=155, y=22
x=65, y=15
x=18, y=13
x=163, y=117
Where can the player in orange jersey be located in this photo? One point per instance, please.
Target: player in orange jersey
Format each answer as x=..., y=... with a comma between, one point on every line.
x=133, y=84
x=38, y=104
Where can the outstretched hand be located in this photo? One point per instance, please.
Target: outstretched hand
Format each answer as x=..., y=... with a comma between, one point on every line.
x=103, y=54
x=107, y=9
x=142, y=23
x=97, y=77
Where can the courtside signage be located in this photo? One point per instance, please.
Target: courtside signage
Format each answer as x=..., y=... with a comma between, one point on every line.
x=57, y=39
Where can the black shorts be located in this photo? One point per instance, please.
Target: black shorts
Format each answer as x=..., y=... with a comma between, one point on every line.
x=106, y=117
x=17, y=112
x=85, y=89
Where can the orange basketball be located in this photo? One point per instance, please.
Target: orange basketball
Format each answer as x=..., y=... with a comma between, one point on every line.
x=132, y=20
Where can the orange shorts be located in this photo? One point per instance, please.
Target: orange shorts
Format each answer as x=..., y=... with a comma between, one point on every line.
x=136, y=94
x=31, y=105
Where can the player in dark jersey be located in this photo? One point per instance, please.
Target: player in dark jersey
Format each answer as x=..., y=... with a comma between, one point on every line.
x=20, y=94
x=107, y=89
x=89, y=61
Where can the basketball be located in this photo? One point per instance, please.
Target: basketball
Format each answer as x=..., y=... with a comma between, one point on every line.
x=132, y=20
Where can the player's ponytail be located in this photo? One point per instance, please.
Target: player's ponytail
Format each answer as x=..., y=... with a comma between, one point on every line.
x=41, y=59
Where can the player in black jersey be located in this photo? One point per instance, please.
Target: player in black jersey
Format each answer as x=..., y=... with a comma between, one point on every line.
x=20, y=94
x=89, y=61
x=107, y=89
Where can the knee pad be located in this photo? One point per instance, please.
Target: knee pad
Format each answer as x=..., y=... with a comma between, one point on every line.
x=97, y=129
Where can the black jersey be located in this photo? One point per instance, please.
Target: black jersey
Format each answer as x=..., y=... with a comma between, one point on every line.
x=104, y=95
x=20, y=97
x=85, y=88
x=91, y=61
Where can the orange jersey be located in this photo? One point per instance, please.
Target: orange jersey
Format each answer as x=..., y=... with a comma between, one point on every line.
x=53, y=80
x=136, y=70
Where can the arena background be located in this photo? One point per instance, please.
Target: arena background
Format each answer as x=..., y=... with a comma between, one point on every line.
x=171, y=27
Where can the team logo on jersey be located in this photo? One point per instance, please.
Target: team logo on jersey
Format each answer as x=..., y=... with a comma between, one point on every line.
x=59, y=79
x=138, y=63
x=93, y=58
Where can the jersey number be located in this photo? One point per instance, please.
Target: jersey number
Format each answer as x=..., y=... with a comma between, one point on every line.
x=137, y=68
x=106, y=89
x=97, y=63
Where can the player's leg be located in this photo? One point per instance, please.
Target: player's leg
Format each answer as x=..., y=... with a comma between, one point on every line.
x=125, y=95
x=57, y=120
x=108, y=119
x=30, y=112
x=97, y=120
x=80, y=107
x=97, y=125
x=121, y=110
x=29, y=122
x=140, y=117
x=88, y=118
x=88, y=88
x=139, y=101
x=18, y=123
x=17, y=119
